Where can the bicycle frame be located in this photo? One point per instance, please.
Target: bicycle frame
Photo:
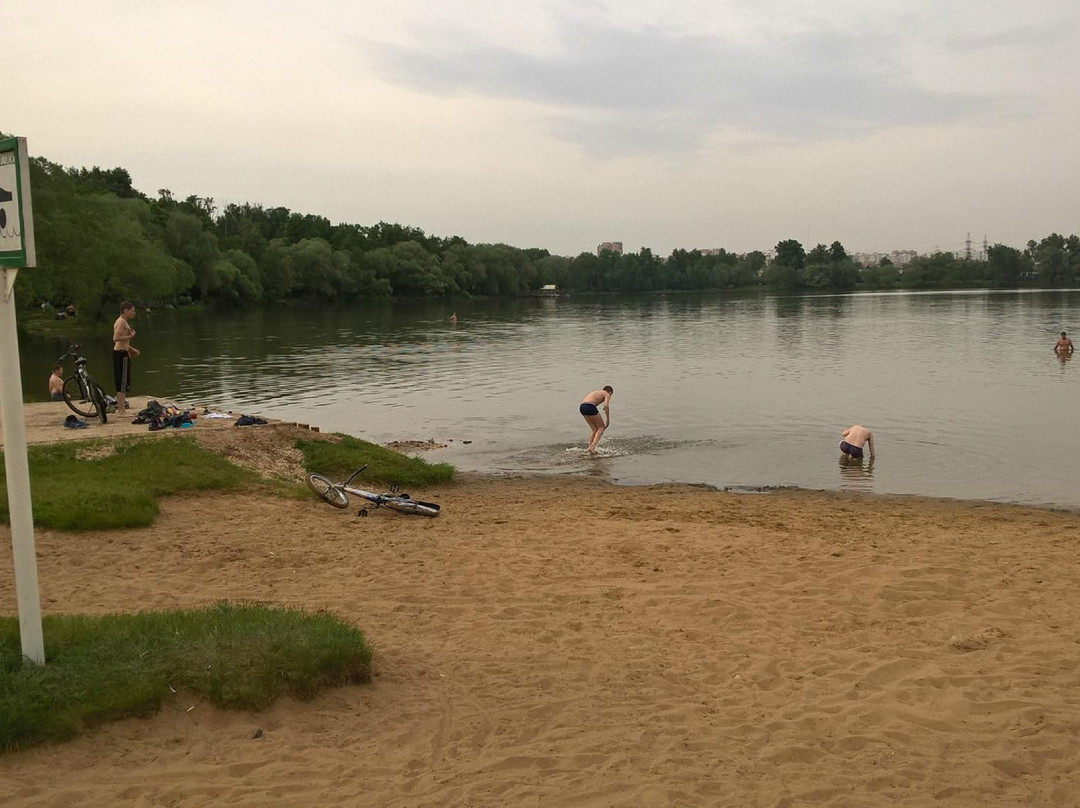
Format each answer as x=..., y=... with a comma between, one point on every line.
x=91, y=398
x=83, y=377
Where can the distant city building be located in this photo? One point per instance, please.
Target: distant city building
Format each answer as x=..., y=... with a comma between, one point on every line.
x=609, y=246
x=897, y=257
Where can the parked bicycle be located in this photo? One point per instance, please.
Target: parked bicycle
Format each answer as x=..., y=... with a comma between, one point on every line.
x=337, y=494
x=81, y=393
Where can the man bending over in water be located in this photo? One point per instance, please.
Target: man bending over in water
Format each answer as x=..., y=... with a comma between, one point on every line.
x=590, y=410
x=852, y=440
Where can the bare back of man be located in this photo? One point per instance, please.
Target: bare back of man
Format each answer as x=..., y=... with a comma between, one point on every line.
x=854, y=438
x=590, y=411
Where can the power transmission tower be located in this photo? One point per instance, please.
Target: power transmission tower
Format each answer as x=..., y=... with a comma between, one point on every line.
x=967, y=248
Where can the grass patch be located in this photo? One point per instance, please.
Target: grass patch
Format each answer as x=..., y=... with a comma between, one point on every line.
x=43, y=323
x=119, y=489
x=105, y=668
x=339, y=460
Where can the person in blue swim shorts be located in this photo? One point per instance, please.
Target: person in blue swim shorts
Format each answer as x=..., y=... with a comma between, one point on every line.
x=590, y=410
x=854, y=438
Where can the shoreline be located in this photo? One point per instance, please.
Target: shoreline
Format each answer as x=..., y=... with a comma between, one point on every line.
x=43, y=425
x=761, y=490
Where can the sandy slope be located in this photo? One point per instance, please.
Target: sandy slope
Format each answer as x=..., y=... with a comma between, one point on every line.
x=567, y=643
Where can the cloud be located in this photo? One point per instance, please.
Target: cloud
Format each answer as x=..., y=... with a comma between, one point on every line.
x=652, y=90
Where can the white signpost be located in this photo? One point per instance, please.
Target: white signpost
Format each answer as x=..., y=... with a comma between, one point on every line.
x=17, y=251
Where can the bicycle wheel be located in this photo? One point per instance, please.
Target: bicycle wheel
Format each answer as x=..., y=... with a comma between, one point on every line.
x=97, y=395
x=328, y=491
x=407, y=505
x=79, y=400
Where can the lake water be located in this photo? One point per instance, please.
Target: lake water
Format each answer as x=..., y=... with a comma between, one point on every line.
x=963, y=392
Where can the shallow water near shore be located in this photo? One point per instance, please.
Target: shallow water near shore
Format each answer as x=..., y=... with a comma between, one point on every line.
x=962, y=389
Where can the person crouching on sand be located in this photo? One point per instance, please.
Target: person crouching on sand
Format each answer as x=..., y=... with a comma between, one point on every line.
x=589, y=409
x=854, y=438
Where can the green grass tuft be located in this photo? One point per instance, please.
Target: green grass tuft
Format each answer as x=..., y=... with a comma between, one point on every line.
x=104, y=668
x=339, y=460
x=119, y=490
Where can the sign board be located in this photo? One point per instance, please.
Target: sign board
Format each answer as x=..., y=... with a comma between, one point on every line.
x=17, y=251
x=16, y=215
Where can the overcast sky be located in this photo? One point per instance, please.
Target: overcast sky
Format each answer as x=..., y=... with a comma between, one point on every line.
x=884, y=124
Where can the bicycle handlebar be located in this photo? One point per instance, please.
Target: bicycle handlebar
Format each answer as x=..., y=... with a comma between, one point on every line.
x=351, y=476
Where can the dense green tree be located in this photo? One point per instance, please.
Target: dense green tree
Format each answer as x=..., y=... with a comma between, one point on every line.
x=816, y=276
x=95, y=248
x=1006, y=265
x=1051, y=260
x=112, y=181
x=584, y=275
x=187, y=239
x=782, y=276
x=315, y=274
x=790, y=253
x=786, y=270
x=410, y=270
x=818, y=255
x=553, y=269
x=883, y=276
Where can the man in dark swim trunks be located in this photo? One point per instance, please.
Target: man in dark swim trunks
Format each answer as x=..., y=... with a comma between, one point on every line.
x=590, y=410
x=123, y=351
x=852, y=440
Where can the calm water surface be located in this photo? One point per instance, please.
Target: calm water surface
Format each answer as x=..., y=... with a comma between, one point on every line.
x=962, y=390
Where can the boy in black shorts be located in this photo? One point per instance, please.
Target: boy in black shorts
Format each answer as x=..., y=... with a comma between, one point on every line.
x=123, y=352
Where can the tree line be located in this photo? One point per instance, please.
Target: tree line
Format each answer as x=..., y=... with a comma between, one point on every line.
x=1052, y=262
x=99, y=240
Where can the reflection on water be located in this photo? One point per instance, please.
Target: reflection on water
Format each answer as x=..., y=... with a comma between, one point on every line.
x=856, y=474
x=746, y=390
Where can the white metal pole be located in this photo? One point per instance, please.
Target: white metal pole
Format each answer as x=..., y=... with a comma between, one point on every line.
x=17, y=470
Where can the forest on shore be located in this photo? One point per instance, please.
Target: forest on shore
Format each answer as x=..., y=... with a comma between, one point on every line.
x=99, y=240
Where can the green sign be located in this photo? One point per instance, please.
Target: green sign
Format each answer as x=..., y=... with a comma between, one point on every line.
x=16, y=213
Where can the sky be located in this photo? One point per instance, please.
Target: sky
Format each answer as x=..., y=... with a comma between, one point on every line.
x=883, y=124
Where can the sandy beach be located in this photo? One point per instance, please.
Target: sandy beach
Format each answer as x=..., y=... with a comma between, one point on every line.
x=562, y=642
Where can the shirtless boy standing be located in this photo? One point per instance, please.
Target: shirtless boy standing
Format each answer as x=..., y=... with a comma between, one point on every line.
x=1063, y=345
x=122, y=353
x=852, y=440
x=590, y=411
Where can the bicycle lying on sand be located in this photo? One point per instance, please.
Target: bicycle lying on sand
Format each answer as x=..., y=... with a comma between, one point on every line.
x=337, y=494
x=81, y=393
